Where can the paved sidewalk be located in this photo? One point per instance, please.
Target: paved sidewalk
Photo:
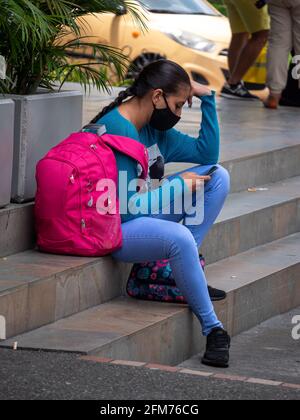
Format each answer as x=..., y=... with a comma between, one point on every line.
x=267, y=351
x=38, y=375
x=34, y=375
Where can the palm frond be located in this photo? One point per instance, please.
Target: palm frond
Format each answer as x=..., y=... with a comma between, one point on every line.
x=24, y=18
x=31, y=34
x=93, y=71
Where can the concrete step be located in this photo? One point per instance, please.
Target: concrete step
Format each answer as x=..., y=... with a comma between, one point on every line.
x=16, y=229
x=247, y=220
x=251, y=164
x=261, y=283
x=250, y=219
x=257, y=146
x=37, y=289
x=267, y=164
x=50, y=287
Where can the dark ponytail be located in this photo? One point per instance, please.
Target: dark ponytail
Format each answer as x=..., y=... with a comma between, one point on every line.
x=162, y=74
x=117, y=102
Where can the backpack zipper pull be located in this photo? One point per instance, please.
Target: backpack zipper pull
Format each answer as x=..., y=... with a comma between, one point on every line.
x=83, y=225
x=72, y=179
x=90, y=186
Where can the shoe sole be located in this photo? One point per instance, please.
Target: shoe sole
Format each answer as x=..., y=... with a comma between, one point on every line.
x=215, y=364
x=218, y=299
x=237, y=98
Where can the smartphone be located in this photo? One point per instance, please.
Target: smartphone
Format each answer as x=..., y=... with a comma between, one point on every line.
x=211, y=171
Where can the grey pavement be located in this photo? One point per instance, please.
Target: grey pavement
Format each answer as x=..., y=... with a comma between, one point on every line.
x=266, y=352
x=55, y=376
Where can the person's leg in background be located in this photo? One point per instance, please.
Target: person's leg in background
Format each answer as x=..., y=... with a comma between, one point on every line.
x=280, y=45
x=245, y=20
x=248, y=55
x=237, y=44
x=240, y=36
x=147, y=239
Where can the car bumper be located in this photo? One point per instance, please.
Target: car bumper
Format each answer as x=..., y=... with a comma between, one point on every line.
x=209, y=69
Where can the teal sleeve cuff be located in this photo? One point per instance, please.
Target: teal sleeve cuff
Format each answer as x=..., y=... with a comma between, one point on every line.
x=212, y=95
x=208, y=98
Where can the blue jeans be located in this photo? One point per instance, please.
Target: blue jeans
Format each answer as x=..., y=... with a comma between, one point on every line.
x=161, y=236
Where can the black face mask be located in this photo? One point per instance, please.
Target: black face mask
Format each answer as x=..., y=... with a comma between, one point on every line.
x=163, y=119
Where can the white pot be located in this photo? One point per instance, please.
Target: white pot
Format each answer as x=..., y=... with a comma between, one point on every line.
x=41, y=122
x=7, y=109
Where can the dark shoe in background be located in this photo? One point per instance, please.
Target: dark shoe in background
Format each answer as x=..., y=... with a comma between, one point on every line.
x=216, y=295
x=237, y=92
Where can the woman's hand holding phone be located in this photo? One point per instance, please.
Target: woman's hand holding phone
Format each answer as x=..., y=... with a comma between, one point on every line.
x=192, y=179
x=192, y=176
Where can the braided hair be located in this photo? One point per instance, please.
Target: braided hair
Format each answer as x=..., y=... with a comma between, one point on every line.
x=161, y=74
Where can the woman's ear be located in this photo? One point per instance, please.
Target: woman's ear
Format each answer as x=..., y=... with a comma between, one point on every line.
x=156, y=96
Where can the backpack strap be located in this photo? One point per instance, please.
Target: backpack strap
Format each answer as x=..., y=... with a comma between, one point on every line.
x=129, y=147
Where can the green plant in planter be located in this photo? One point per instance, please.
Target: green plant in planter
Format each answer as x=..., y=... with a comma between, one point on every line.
x=31, y=33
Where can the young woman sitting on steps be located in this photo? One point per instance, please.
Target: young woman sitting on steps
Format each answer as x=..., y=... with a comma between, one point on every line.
x=147, y=112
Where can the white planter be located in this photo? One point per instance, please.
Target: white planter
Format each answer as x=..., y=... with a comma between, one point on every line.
x=41, y=122
x=6, y=149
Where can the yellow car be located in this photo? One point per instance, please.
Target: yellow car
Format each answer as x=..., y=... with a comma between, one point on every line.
x=191, y=32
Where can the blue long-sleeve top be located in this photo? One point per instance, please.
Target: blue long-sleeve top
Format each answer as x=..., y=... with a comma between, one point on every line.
x=163, y=147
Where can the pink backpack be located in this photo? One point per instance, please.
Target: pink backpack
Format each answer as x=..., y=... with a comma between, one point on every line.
x=66, y=210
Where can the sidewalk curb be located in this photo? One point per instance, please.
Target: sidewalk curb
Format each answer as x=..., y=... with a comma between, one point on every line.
x=173, y=369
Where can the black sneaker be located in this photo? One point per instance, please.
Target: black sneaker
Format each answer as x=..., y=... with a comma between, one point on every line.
x=238, y=91
x=216, y=295
x=217, y=349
